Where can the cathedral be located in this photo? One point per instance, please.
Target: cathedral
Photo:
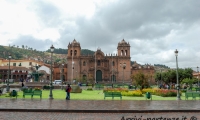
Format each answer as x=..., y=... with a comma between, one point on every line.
x=99, y=67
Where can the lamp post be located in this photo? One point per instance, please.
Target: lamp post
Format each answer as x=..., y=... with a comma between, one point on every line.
x=178, y=87
x=160, y=78
x=123, y=65
x=51, y=94
x=72, y=71
x=198, y=75
x=61, y=75
x=8, y=87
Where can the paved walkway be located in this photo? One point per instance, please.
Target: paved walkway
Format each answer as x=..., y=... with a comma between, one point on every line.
x=45, y=109
x=98, y=106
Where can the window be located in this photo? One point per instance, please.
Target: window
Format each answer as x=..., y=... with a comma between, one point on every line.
x=14, y=64
x=75, y=52
x=113, y=63
x=30, y=63
x=125, y=52
x=98, y=63
x=84, y=63
x=71, y=52
x=122, y=52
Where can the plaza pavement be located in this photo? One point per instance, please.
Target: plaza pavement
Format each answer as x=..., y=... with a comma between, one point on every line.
x=45, y=109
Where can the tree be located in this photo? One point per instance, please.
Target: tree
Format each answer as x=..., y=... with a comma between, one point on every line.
x=170, y=75
x=140, y=79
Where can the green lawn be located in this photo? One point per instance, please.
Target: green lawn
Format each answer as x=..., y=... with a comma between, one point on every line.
x=88, y=95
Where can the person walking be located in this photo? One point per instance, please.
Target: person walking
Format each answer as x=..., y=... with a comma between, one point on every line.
x=68, y=90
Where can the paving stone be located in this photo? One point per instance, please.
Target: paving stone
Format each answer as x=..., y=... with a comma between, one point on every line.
x=45, y=109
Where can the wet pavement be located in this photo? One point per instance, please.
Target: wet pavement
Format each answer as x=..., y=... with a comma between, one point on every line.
x=45, y=109
x=97, y=106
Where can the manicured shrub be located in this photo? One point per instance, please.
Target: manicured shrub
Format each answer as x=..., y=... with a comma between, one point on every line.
x=115, y=90
x=148, y=90
x=137, y=93
x=89, y=89
x=166, y=92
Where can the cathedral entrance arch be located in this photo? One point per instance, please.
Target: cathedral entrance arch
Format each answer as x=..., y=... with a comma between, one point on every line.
x=113, y=78
x=99, y=76
x=84, y=78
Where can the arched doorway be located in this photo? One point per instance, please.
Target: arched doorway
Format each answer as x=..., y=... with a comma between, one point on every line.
x=84, y=79
x=113, y=78
x=99, y=76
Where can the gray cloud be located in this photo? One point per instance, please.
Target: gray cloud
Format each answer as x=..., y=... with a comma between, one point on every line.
x=32, y=42
x=48, y=13
x=154, y=29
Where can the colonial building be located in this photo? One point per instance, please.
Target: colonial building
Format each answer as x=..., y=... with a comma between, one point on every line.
x=99, y=67
x=146, y=69
x=19, y=69
x=60, y=72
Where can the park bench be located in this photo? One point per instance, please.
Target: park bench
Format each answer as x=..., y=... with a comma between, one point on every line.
x=13, y=93
x=37, y=93
x=32, y=93
x=192, y=94
x=27, y=92
x=197, y=89
x=112, y=94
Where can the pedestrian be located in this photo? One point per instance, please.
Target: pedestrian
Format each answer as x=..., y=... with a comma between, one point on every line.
x=22, y=84
x=68, y=90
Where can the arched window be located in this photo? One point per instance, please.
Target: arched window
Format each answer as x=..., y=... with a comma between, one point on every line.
x=75, y=52
x=71, y=52
x=122, y=52
x=84, y=63
x=113, y=63
x=125, y=53
x=98, y=63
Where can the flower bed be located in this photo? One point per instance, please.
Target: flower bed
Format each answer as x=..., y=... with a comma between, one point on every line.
x=137, y=93
x=161, y=92
x=115, y=90
x=148, y=90
x=165, y=92
x=124, y=91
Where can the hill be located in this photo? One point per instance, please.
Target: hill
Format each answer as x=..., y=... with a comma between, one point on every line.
x=17, y=53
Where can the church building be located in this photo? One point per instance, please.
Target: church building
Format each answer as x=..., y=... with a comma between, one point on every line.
x=99, y=67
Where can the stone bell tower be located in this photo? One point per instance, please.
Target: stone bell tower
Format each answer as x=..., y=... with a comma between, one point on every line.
x=73, y=55
x=124, y=63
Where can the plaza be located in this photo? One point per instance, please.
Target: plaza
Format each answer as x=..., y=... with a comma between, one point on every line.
x=14, y=109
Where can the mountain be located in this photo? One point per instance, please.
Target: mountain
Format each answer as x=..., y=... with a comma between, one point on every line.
x=25, y=52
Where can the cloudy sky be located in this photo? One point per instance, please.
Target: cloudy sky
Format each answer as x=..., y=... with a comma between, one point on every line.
x=154, y=28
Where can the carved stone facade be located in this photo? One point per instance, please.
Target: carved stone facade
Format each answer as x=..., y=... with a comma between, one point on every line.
x=99, y=67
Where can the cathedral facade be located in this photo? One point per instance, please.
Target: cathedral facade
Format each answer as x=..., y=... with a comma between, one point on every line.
x=99, y=67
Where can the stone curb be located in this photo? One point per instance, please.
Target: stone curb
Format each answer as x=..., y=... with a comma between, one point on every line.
x=96, y=111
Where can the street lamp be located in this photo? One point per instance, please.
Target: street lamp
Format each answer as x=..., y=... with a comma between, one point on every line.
x=123, y=65
x=51, y=94
x=72, y=71
x=61, y=75
x=178, y=87
x=198, y=75
x=8, y=87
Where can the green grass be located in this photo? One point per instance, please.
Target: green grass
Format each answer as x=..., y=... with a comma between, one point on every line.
x=87, y=95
